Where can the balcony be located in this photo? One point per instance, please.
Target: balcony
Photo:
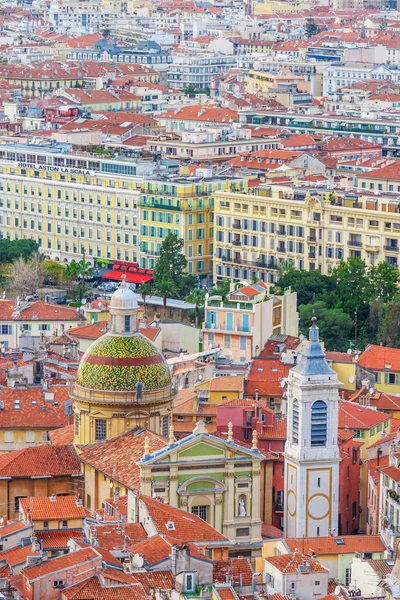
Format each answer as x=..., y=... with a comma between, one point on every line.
x=394, y=496
x=237, y=226
x=236, y=243
x=312, y=256
x=312, y=239
x=281, y=249
x=354, y=243
x=391, y=248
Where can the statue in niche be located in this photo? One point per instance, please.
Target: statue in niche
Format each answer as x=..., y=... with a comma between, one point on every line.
x=242, y=508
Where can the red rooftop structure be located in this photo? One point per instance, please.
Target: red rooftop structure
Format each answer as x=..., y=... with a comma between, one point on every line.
x=132, y=271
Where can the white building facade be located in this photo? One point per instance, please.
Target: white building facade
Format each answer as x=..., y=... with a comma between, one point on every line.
x=311, y=451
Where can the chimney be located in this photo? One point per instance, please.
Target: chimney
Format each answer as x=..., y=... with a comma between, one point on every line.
x=173, y=560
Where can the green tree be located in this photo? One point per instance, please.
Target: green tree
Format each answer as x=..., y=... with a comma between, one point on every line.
x=221, y=288
x=53, y=272
x=335, y=325
x=169, y=276
x=309, y=285
x=85, y=272
x=190, y=90
x=352, y=291
x=144, y=290
x=389, y=327
x=11, y=250
x=384, y=279
x=196, y=297
x=311, y=27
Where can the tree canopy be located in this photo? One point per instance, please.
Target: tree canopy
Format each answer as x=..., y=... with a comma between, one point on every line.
x=170, y=278
x=11, y=250
x=363, y=299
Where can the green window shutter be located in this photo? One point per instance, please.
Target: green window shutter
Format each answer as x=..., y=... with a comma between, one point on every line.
x=386, y=378
x=397, y=379
x=378, y=377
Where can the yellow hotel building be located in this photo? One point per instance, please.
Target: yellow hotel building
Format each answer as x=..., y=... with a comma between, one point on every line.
x=70, y=204
x=184, y=206
x=313, y=228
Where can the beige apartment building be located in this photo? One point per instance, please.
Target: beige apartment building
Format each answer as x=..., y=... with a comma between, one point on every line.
x=313, y=228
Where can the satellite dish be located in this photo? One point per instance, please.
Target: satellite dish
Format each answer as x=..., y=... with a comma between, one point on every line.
x=111, y=484
x=282, y=383
x=83, y=301
x=371, y=390
x=349, y=351
x=337, y=590
x=351, y=379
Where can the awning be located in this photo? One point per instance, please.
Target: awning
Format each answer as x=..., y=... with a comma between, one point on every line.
x=132, y=272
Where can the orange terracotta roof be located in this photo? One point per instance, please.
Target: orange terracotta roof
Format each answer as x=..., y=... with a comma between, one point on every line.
x=17, y=556
x=51, y=508
x=341, y=357
x=290, y=563
x=90, y=332
x=354, y=416
x=37, y=311
x=67, y=561
x=40, y=461
x=57, y=539
x=63, y=436
x=224, y=593
x=94, y=588
x=328, y=545
x=187, y=526
x=227, y=384
x=265, y=375
x=199, y=112
x=380, y=358
x=115, y=536
x=11, y=528
x=150, y=332
x=269, y=531
x=156, y=580
x=392, y=472
x=158, y=548
x=277, y=431
x=390, y=172
x=374, y=468
x=116, y=457
x=33, y=411
x=238, y=570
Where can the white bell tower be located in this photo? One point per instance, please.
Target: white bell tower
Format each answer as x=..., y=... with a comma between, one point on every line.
x=311, y=450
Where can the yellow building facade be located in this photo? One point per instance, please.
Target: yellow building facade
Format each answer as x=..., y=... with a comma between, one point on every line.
x=185, y=207
x=313, y=229
x=70, y=205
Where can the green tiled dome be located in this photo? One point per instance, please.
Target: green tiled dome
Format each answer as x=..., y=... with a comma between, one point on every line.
x=117, y=363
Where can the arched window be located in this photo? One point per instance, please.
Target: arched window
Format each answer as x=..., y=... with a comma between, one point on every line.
x=295, y=422
x=319, y=418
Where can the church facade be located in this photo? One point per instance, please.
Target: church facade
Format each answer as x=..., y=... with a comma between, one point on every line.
x=311, y=450
x=214, y=478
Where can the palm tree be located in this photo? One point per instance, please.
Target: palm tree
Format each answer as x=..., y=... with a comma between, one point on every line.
x=196, y=297
x=85, y=270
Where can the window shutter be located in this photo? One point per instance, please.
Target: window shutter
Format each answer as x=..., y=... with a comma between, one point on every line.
x=386, y=378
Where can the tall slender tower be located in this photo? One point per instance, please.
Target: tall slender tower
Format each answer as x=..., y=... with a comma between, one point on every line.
x=311, y=451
